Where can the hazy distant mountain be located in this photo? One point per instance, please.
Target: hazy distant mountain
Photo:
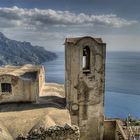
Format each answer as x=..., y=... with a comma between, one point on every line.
x=18, y=53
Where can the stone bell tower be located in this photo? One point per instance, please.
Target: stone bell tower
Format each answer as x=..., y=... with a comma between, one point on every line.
x=84, y=84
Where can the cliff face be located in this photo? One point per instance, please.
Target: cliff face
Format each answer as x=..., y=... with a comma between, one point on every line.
x=18, y=53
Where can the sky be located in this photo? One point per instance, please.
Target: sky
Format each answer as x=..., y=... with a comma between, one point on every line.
x=48, y=22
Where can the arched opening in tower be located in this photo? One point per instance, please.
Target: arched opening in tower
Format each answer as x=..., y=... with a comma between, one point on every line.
x=86, y=59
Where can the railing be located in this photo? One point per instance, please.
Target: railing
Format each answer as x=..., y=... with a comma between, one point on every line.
x=120, y=134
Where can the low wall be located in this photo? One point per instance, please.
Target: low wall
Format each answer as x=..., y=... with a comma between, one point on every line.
x=109, y=129
x=113, y=130
x=53, y=133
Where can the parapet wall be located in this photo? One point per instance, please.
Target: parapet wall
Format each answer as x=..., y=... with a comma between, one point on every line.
x=53, y=133
x=109, y=129
x=113, y=130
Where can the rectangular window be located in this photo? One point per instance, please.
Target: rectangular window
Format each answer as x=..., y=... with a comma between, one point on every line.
x=6, y=87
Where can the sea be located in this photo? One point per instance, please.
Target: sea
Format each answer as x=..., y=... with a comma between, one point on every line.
x=122, y=85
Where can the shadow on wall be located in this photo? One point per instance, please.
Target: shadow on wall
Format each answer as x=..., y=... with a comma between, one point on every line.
x=44, y=102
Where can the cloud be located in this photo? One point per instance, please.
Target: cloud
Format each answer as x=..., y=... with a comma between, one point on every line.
x=43, y=18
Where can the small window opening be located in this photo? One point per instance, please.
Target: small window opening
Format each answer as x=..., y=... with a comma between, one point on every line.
x=86, y=59
x=6, y=87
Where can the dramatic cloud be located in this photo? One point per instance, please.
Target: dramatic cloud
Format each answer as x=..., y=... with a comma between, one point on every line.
x=41, y=19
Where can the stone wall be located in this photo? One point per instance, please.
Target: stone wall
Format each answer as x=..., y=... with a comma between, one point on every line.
x=53, y=133
x=109, y=129
x=113, y=130
x=22, y=90
x=25, y=83
x=41, y=80
x=85, y=88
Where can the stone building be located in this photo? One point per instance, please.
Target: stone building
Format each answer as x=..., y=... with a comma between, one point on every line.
x=21, y=84
x=84, y=84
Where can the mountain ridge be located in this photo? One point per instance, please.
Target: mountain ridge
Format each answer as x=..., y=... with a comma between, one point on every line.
x=14, y=52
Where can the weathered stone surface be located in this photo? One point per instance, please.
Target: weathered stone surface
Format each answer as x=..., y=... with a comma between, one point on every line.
x=84, y=84
x=4, y=133
x=21, y=118
x=53, y=133
x=21, y=83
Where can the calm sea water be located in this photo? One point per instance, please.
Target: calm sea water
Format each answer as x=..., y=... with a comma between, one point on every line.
x=122, y=94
